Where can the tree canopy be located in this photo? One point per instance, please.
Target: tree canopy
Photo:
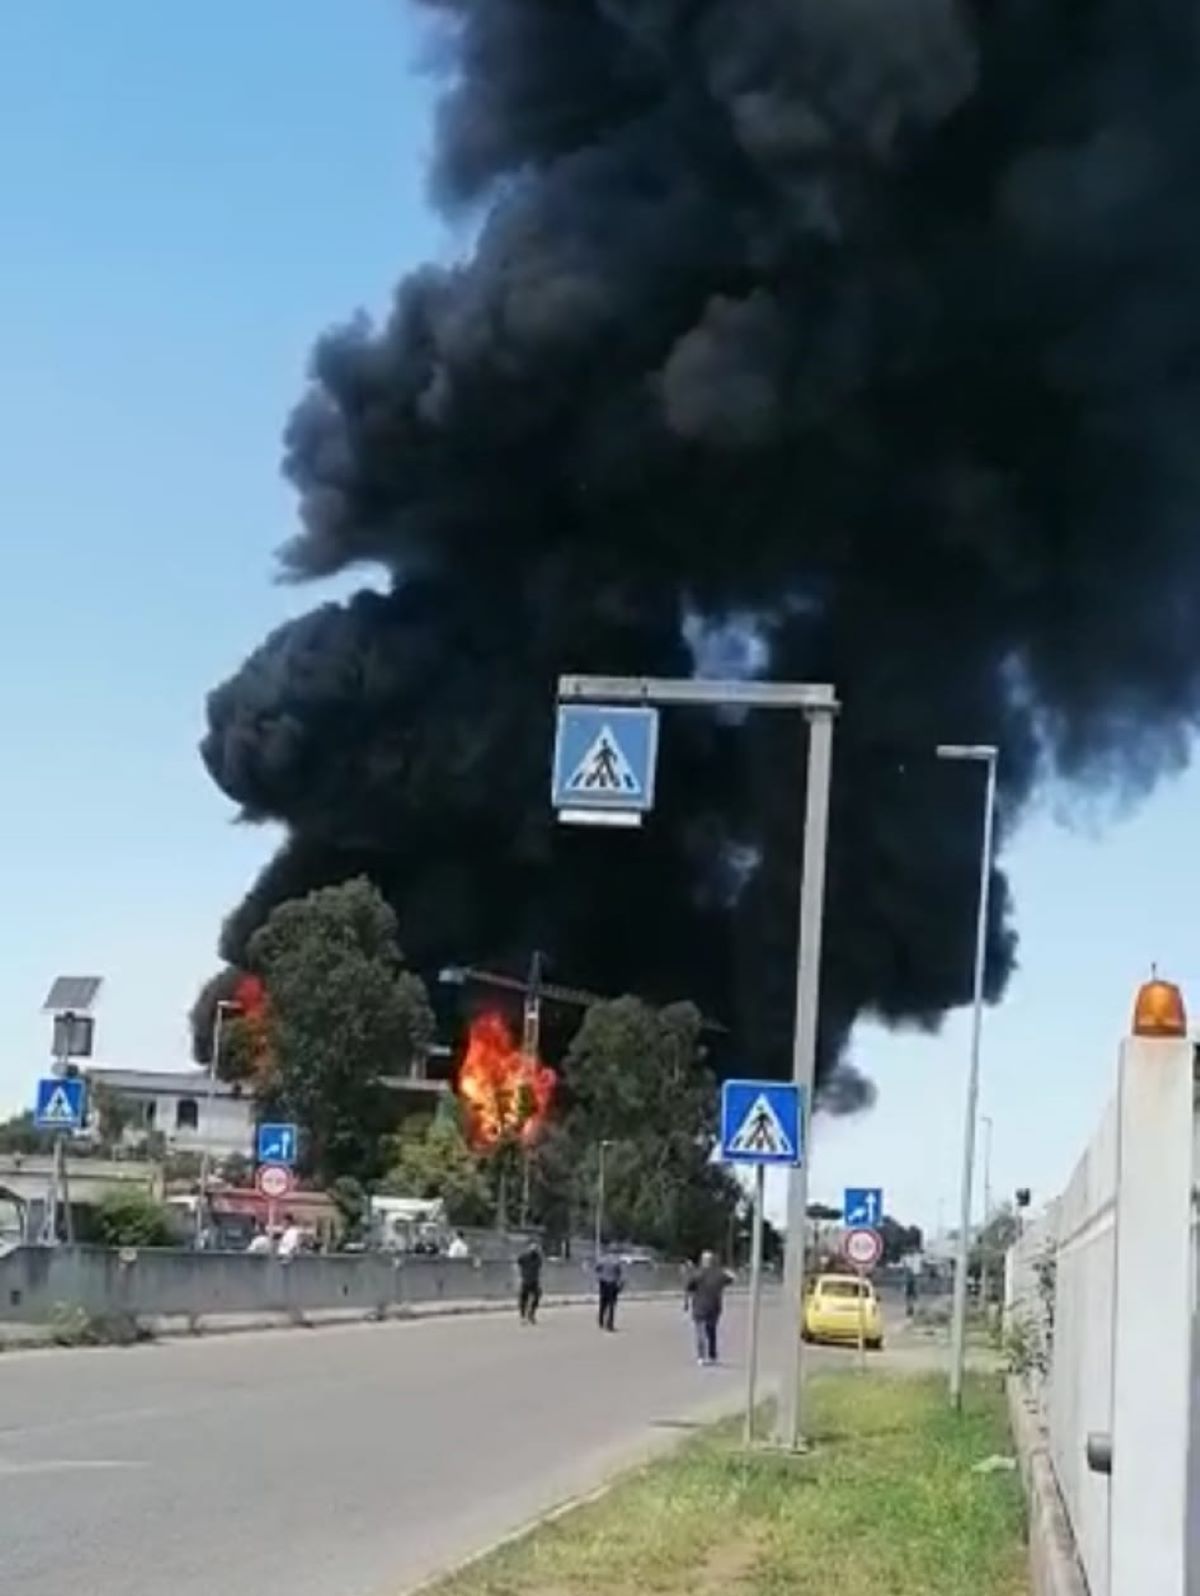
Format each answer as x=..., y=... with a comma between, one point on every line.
x=344, y=1015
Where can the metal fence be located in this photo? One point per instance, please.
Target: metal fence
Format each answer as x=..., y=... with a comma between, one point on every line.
x=151, y=1283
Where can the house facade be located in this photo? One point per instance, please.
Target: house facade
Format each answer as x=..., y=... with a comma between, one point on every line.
x=190, y=1112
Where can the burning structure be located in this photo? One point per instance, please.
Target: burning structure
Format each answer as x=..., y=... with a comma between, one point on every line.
x=855, y=339
x=505, y=1095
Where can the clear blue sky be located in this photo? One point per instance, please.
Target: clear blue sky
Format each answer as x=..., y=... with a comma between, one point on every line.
x=190, y=195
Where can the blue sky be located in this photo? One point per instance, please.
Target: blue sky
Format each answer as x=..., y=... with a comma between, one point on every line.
x=191, y=194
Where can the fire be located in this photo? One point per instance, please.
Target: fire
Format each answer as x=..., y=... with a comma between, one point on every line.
x=250, y=995
x=503, y=1092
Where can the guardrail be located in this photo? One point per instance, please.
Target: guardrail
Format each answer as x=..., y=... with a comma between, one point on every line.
x=161, y=1283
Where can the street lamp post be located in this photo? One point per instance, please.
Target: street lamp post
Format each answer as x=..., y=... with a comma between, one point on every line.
x=224, y=1006
x=604, y=1146
x=986, y=1121
x=987, y=755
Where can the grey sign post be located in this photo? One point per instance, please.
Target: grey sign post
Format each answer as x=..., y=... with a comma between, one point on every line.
x=818, y=703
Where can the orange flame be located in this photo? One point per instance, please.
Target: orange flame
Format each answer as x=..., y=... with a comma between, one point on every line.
x=250, y=995
x=503, y=1091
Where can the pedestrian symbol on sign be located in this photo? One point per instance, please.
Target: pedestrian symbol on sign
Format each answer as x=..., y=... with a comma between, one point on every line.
x=604, y=768
x=761, y=1132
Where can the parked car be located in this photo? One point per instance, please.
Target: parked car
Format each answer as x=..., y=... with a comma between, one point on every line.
x=838, y=1305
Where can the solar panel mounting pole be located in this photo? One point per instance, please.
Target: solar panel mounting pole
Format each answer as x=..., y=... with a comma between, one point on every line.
x=818, y=702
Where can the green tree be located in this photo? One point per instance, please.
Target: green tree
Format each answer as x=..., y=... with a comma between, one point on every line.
x=133, y=1219
x=344, y=1012
x=20, y=1135
x=899, y=1240
x=113, y=1113
x=353, y=1204
x=993, y=1242
x=635, y=1079
x=432, y=1159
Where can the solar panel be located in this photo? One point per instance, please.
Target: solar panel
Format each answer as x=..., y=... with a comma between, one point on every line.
x=72, y=994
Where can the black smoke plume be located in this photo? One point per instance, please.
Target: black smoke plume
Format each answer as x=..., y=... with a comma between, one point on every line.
x=867, y=329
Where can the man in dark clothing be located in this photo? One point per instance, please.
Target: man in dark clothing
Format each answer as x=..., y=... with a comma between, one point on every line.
x=704, y=1293
x=610, y=1277
x=529, y=1270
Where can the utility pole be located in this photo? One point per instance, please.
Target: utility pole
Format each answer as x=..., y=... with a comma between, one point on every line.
x=600, y=1196
x=531, y=1036
x=986, y=1121
x=986, y=755
x=224, y=1006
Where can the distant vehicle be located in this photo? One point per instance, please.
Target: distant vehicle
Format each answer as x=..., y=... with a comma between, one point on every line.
x=409, y=1224
x=639, y=1257
x=834, y=1309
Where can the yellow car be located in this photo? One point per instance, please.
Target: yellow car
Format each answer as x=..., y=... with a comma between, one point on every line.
x=834, y=1309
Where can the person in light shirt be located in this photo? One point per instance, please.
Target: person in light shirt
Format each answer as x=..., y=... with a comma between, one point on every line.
x=291, y=1240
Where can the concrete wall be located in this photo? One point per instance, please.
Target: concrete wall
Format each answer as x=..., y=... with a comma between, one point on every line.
x=159, y=1283
x=1119, y=1340
x=1079, y=1393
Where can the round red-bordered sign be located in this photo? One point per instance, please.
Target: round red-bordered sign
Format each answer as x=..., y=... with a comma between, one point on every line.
x=863, y=1247
x=273, y=1180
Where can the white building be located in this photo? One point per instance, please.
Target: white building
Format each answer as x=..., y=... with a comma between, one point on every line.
x=185, y=1108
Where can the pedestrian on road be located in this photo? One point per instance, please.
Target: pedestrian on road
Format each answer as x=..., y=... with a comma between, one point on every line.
x=704, y=1294
x=910, y=1293
x=529, y=1272
x=610, y=1277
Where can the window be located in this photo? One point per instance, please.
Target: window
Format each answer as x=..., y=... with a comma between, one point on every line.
x=187, y=1114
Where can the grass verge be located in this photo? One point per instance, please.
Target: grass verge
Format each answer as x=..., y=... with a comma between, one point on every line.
x=887, y=1504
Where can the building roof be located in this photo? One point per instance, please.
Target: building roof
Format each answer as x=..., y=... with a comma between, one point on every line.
x=166, y=1083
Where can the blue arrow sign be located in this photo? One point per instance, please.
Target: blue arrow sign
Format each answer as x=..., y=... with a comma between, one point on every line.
x=863, y=1205
x=277, y=1144
x=761, y=1123
x=604, y=758
x=60, y=1104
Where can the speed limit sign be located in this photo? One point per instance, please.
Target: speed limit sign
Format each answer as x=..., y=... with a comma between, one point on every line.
x=863, y=1247
x=273, y=1180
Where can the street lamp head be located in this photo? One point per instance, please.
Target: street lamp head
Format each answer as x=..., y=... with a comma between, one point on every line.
x=452, y=975
x=229, y=1006
x=984, y=752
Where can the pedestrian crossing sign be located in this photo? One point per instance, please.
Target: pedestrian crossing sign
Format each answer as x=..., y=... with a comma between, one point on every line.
x=59, y=1104
x=761, y=1123
x=604, y=760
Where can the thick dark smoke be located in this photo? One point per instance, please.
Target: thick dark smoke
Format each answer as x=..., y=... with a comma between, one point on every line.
x=873, y=323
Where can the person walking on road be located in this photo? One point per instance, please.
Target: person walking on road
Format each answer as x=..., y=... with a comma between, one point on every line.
x=529, y=1272
x=704, y=1294
x=610, y=1277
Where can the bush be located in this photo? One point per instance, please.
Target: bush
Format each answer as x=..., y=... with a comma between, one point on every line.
x=133, y=1219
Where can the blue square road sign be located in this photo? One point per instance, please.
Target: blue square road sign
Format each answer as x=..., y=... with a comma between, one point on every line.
x=604, y=758
x=863, y=1205
x=60, y=1103
x=277, y=1144
x=761, y=1123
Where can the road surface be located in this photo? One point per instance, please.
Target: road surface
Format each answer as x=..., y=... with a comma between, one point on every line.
x=347, y=1462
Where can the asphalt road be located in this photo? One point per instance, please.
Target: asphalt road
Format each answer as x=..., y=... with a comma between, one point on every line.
x=337, y=1462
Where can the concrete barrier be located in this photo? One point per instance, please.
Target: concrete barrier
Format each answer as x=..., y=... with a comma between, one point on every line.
x=155, y=1284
